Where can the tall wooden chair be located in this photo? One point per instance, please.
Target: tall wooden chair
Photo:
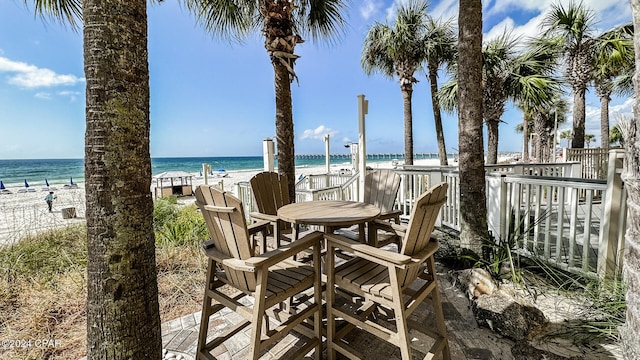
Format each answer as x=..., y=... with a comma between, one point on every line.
x=381, y=189
x=271, y=192
x=270, y=278
x=382, y=278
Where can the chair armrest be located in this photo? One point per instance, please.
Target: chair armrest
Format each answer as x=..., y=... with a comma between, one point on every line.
x=399, y=229
x=223, y=259
x=261, y=216
x=274, y=256
x=425, y=253
x=368, y=252
x=393, y=214
x=257, y=227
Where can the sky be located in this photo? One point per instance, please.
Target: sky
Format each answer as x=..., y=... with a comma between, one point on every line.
x=211, y=97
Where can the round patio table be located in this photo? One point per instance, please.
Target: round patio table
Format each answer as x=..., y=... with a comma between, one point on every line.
x=330, y=214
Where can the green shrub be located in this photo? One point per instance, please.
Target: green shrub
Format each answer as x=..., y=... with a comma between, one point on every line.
x=45, y=255
x=164, y=211
x=186, y=228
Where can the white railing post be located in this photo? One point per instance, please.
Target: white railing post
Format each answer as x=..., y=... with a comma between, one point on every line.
x=497, y=208
x=268, y=154
x=611, y=242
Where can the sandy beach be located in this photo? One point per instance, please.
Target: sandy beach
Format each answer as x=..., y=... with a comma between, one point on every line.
x=26, y=213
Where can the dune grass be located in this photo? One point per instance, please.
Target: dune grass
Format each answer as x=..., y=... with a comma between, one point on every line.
x=43, y=284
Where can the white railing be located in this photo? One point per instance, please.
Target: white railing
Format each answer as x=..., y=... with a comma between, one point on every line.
x=547, y=209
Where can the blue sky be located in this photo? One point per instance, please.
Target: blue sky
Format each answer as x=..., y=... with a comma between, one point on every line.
x=210, y=97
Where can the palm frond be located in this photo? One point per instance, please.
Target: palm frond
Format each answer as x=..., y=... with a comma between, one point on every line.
x=323, y=19
x=65, y=11
x=230, y=19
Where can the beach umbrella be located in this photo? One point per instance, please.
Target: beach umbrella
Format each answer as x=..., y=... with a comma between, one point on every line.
x=2, y=185
x=26, y=184
x=46, y=182
x=71, y=180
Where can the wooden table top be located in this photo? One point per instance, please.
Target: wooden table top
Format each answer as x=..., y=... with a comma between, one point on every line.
x=329, y=213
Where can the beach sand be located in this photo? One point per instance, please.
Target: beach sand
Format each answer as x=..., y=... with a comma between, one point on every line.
x=23, y=214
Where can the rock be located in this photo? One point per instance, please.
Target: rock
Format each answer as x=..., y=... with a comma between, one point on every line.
x=509, y=315
x=475, y=282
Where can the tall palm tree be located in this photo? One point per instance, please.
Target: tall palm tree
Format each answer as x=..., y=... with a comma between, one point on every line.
x=440, y=49
x=571, y=28
x=283, y=24
x=568, y=135
x=122, y=292
x=498, y=60
x=398, y=50
x=615, y=57
x=631, y=177
x=473, y=210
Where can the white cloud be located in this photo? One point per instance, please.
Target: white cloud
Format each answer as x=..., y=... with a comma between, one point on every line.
x=30, y=76
x=318, y=133
x=43, y=95
x=369, y=8
x=72, y=95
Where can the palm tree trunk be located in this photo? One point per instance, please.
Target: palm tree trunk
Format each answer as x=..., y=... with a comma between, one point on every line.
x=437, y=115
x=280, y=42
x=630, y=333
x=525, y=139
x=492, y=139
x=123, y=319
x=604, y=121
x=284, y=126
x=541, y=138
x=407, y=91
x=578, y=118
x=473, y=211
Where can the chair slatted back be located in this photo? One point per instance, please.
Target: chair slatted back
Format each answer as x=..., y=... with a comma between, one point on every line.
x=270, y=191
x=381, y=188
x=421, y=224
x=224, y=215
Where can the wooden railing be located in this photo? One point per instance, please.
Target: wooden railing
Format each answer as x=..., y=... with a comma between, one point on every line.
x=546, y=209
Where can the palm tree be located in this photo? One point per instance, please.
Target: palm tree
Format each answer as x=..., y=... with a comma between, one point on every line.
x=588, y=139
x=615, y=136
x=568, y=135
x=398, y=50
x=440, y=49
x=630, y=333
x=571, y=28
x=283, y=24
x=498, y=60
x=615, y=57
x=473, y=210
x=122, y=292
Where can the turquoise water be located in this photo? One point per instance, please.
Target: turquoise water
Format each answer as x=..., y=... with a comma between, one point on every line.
x=61, y=171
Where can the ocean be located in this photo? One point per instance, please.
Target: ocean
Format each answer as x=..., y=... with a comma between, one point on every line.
x=61, y=171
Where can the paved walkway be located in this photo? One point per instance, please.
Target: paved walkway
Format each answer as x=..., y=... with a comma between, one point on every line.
x=467, y=340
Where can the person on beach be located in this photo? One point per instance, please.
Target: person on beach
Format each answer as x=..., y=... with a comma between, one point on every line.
x=49, y=199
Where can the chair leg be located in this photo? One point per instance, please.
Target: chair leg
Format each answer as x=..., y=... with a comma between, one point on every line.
x=436, y=300
x=330, y=297
x=398, y=309
x=258, y=313
x=317, y=318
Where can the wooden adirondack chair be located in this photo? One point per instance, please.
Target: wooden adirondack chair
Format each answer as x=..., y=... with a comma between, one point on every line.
x=383, y=277
x=380, y=189
x=270, y=278
x=270, y=192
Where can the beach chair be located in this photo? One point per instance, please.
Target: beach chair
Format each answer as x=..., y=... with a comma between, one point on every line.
x=270, y=191
x=382, y=280
x=270, y=278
